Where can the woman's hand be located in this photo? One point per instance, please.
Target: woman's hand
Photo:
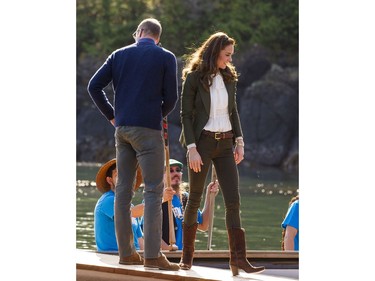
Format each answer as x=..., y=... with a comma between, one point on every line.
x=195, y=160
x=239, y=152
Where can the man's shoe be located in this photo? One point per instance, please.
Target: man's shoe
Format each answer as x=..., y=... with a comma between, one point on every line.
x=162, y=263
x=134, y=259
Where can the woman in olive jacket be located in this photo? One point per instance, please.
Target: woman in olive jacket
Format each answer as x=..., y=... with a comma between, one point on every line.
x=211, y=131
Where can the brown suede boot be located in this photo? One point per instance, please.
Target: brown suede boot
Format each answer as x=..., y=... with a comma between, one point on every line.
x=134, y=259
x=238, y=259
x=188, y=238
x=162, y=263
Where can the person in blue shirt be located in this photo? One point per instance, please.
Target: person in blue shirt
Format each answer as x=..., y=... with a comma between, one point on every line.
x=137, y=232
x=179, y=196
x=290, y=225
x=104, y=226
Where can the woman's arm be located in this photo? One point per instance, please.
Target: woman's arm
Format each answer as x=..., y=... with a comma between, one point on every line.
x=235, y=118
x=187, y=108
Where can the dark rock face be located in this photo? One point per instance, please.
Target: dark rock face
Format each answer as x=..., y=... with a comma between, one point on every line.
x=267, y=99
x=95, y=137
x=251, y=66
x=269, y=112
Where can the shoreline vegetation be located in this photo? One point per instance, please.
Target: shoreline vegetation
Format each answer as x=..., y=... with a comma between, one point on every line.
x=266, y=57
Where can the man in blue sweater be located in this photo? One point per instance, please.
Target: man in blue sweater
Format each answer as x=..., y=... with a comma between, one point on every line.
x=144, y=78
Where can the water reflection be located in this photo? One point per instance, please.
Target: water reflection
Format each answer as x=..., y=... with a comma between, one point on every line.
x=264, y=203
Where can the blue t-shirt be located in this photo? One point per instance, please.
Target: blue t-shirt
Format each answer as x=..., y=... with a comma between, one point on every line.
x=104, y=224
x=179, y=217
x=137, y=231
x=292, y=219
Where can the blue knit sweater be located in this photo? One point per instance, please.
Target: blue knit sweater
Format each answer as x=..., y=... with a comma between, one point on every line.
x=144, y=78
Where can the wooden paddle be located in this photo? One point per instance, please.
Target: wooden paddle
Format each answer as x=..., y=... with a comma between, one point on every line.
x=172, y=238
x=212, y=204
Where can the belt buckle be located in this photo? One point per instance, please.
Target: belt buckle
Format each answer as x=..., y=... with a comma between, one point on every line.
x=217, y=136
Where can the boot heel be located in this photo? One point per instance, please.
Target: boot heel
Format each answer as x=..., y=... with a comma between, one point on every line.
x=238, y=260
x=234, y=269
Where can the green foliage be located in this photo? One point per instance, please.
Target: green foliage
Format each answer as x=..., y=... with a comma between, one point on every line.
x=105, y=25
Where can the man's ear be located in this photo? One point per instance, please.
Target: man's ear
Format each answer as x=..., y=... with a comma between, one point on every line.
x=109, y=180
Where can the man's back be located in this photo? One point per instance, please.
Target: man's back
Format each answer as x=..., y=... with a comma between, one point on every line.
x=144, y=81
x=144, y=78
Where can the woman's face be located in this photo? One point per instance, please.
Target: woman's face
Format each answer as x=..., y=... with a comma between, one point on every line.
x=225, y=56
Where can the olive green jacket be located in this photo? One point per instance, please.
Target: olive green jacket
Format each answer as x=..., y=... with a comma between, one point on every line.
x=195, y=109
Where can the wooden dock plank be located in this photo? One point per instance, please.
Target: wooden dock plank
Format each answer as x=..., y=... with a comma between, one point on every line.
x=93, y=266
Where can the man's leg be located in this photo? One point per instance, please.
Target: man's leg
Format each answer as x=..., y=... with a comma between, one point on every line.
x=126, y=169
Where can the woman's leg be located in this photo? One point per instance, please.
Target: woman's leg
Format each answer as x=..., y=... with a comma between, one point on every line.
x=197, y=180
x=227, y=173
x=190, y=225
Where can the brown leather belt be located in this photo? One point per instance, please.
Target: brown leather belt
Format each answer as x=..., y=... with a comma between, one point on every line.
x=218, y=135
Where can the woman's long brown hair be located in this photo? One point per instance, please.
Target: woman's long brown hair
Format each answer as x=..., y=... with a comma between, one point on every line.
x=204, y=60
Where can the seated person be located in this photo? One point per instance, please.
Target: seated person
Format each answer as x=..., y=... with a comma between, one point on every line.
x=290, y=225
x=104, y=225
x=137, y=231
x=179, y=199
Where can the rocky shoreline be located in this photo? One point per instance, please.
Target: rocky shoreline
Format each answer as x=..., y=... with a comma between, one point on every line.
x=267, y=97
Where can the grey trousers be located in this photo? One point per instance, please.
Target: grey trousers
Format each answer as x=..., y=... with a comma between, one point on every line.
x=144, y=147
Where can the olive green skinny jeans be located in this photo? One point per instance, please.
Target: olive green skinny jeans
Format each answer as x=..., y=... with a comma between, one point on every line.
x=220, y=152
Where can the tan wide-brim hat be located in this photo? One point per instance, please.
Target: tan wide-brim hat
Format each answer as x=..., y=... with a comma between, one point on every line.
x=103, y=186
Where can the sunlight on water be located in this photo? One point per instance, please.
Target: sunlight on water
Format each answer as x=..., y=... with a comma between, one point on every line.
x=264, y=203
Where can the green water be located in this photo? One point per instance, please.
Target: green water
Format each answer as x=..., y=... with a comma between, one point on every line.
x=264, y=203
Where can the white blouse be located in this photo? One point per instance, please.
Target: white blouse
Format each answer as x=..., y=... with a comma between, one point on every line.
x=219, y=116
